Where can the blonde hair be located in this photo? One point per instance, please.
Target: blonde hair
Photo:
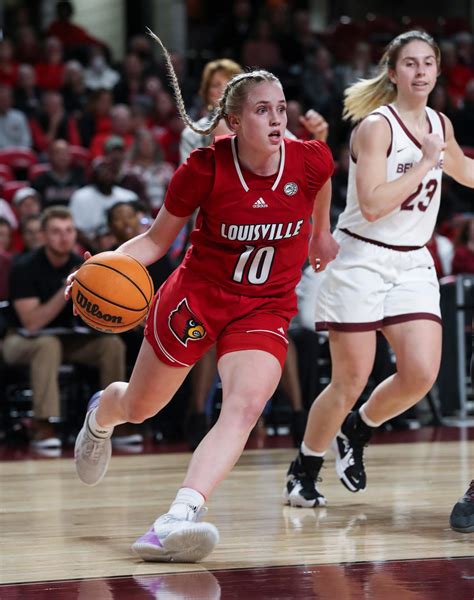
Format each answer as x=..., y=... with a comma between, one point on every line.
x=366, y=95
x=222, y=65
x=233, y=97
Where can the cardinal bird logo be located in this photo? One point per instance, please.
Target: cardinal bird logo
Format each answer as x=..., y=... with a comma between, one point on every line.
x=184, y=324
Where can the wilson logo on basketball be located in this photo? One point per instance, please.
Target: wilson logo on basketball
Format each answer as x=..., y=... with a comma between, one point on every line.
x=184, y=324
x=94, y=310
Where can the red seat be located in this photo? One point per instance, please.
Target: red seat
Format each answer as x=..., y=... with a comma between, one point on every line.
x=81, y=157
x=38, y=169
x=18, y=158
x=10, y=187
x=6, y=174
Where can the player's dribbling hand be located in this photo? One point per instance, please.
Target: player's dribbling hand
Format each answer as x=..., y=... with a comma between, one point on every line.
x=70, y=280
x=432, y=146
x=323, y=248
x=316, y=124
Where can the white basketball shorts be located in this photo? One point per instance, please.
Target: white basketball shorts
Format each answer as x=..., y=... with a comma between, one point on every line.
x=368, y=287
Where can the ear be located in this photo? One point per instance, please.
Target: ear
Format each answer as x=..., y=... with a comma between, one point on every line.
x=392, y=75
x=233, y=121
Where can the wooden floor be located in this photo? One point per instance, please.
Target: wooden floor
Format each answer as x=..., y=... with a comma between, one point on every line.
x=54, y=528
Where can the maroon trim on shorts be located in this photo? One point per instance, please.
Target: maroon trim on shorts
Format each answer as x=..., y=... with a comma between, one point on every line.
x=374, y=325
x=381, y=244
x=405, y=129
x=420, y=316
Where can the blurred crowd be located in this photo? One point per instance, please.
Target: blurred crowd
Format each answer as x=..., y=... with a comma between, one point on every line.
x=101, y=137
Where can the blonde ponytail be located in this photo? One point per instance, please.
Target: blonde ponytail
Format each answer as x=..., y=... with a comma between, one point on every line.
x=366, y=95
x=215, y=117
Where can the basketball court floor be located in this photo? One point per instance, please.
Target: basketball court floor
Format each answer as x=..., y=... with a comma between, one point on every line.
x=61, y=539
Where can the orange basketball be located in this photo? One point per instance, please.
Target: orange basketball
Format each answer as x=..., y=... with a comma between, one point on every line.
x=112, y=292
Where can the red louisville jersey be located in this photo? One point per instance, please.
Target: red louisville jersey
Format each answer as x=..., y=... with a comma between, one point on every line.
x=251, y=234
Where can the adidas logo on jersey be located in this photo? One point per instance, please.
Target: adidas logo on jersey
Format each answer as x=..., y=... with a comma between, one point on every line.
x=281, y=330
x=260, y=203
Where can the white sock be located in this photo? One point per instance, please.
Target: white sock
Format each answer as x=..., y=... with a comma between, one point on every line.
x=187, y=504
x=305, y=451
x=95, y=429
x=366, y=419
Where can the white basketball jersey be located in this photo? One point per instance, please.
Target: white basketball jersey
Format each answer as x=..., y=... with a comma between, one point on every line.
x=412, y=223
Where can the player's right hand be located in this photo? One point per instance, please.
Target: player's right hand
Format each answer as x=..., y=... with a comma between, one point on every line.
x=70, y=280
x=432, y=146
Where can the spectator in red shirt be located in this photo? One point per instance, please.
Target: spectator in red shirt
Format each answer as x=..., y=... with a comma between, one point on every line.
x=53, y=123
x=121, y=126
x=72, y=36
x=8, y=67
x=50, y=71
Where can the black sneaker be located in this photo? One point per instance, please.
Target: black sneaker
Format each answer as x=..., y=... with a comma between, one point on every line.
x=462, y=515
x=300, y=489
x=349, y=446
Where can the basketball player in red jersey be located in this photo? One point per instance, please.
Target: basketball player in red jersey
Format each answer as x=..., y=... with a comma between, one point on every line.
x=383, y=277
x=256, y=192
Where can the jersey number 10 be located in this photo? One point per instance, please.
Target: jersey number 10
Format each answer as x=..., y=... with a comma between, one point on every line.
x=259, y=262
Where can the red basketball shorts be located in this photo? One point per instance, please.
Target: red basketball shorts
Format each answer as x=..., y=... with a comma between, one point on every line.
x=189, y=314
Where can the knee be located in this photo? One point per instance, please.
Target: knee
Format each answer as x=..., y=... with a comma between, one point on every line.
x=348, y=388
x=48, y=349
x=244, y=413
x=419, y=379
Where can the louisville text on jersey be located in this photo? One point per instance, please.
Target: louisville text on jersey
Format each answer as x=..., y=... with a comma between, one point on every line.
x=261, y=231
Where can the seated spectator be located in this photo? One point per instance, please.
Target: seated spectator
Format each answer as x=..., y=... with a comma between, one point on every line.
x=96, y=118
x=61, y=180
x=74, y=91
x=120, y=125
x=50, y=70
x=73, y=37
x=90, y=203
x=14, y=128
x=454, y=73
x=131, y=83
x=26, y=203
x=8, y=66
x=98, y=75
x=28, y=48
x=53, y=123
x=31, y=233
x=146, y=161
x=114, y=153
x=27, y=96
x=6, y=235
x=42, y=333
x=261, y=49
x=463, y=261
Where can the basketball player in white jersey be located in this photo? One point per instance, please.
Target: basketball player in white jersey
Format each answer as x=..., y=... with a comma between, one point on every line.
x=383, y=277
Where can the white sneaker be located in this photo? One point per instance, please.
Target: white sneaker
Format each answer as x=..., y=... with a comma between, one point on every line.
x=178, y=540
x=91, y=454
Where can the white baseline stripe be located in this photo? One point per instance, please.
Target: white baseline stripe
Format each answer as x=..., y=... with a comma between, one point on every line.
x=268, y=331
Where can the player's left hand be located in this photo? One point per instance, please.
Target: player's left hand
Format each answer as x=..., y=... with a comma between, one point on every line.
x=323, y=248
x=316, y=124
